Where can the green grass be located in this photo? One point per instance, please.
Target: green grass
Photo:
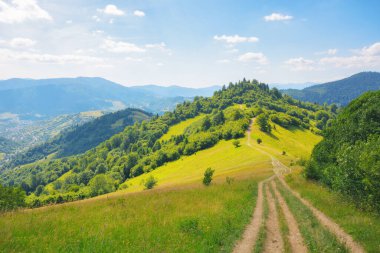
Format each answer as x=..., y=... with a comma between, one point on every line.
x=297, y=142
x=224, y=158
x=363, y=226
x=316, y=237
x=180, y=128
x=194, y=219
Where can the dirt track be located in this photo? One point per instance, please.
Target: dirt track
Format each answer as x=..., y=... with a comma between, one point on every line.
x=274, y=239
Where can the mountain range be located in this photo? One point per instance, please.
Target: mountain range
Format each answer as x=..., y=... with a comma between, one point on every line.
x=35, y=99
x=340, y=92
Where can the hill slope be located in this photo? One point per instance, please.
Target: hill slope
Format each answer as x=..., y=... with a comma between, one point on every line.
x=340, y=92
x=348, y=160
x=81, y=138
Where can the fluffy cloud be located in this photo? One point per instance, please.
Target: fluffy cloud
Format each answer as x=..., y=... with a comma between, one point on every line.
x=367, y=57
x=255, y=57
x=18, y=11
x=22, y=42
x=138, y=13
x=277, y=17
x=19, y=43
x=300, y=64
x=113, y=10
x=113, y=46
x=235, y=39
x=12, y=55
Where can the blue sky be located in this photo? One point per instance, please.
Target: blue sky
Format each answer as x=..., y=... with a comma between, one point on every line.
x=189, y=43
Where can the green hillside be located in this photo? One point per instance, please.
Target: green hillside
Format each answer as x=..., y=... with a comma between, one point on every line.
x=347, y=160
x=81, y=138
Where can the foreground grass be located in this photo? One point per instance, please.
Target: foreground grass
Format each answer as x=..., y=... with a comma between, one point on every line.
x=196, y=219
x=363, y=226
x=317, y=237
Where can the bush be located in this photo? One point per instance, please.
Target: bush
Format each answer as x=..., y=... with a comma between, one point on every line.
x=236, y=143
x=259, y=141
x=230, y=180
x=11, y=198
x=208, y=176
x=150, y=183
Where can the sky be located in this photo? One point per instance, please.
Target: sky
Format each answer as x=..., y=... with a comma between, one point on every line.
x=194, y=43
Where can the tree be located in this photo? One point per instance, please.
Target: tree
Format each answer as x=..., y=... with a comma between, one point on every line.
x=150, y=182
x=11, y=198
x=206, y=124
x=208, y=176
x=262, y=121
x=101, y=184
x=259, y=141
x=236, y=143
x=39, y=190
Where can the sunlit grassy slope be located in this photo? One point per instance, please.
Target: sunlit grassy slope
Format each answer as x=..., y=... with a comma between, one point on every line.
x=224, y=158
x=297, y=143
x=180, y=127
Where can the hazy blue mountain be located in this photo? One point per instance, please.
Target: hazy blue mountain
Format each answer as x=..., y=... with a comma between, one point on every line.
x=177, y=91
x=283, y=86
x=79, y=139
x=33, y=99
x=339, y=92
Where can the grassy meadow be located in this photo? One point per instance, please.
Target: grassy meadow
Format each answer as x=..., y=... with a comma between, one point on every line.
x=193, y=219
x=363, y=226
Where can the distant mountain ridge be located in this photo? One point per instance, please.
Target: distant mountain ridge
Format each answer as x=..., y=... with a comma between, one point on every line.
x=30, y=98
x=79, y=139
x=340, y=92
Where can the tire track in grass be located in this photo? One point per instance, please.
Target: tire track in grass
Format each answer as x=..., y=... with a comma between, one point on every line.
x=294, y=236
x=333, y=227
x=247, y=243
x=273, y=242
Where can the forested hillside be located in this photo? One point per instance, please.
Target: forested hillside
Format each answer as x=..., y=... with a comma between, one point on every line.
x=139, y=148
x=81, y=138
x=340, y=92
x=348, y=158
x=7, y=146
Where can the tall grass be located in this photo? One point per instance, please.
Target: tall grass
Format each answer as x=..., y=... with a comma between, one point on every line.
x=196, y=219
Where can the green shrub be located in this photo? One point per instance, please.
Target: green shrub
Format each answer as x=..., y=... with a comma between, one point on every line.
x=208, y=176
x=150, y=182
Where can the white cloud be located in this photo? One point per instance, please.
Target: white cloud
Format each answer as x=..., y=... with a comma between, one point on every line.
x=111, y=9
x=113, y=46
x=18, y=11
x=9, y=55
x=22, y=42
x=235, y=39
x=19, y=43
x=255, y=57
x=138, y=13
x=300, y=64
x=277, y=17
x=366, y=57
x=133, y=59
x=223, y=61
x=96, y=18
x=373, y=50
x=332, y=51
